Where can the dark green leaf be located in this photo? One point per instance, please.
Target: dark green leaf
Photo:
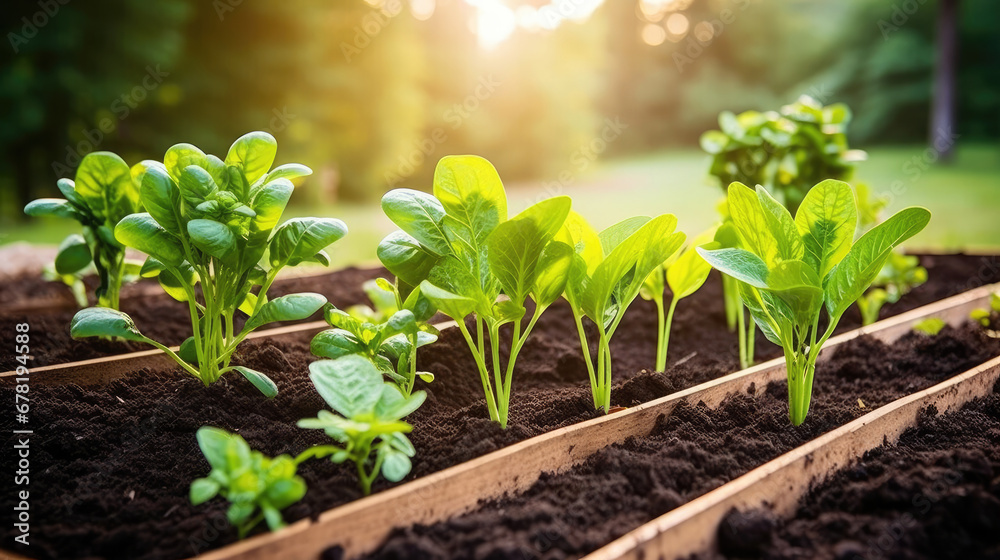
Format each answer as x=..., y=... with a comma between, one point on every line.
x=73, y=256
x=262, y=382
x=103, y=321
x=141, y=232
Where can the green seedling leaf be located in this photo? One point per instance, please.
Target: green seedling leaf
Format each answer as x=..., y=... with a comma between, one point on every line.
x=299, y=239
x=213, y=238
x=826, y=220
x=350, y=385
x=73, y=256
x=336, y=343
x=406, y=258
x=420, y=215
x=141, y=232
x=515, y=246
x=104, y=181
x=161, y=197
x=293, y=307
x=262, y=382
x=453, y=305
x=103, y=321
x=253, y=153
x=57, y=207
x=930, y=326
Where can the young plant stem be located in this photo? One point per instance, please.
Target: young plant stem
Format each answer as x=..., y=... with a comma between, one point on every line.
x=585, y=346
x=741, y=336
x=483, y=372
x=661, y=358
x=664, y=338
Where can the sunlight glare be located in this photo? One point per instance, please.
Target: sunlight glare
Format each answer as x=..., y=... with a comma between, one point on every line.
x=494, y=22
x=653, y=34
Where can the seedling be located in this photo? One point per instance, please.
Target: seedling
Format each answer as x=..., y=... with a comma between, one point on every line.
x=726, y=237
x=257, y=487
x=388, y=337
x=607, y=272
x=458, y=246
x=985, y=317
x=368, y=420
x=900, y=274
x=104, y=192
x=930, y=326
x=213, y=222
x=685, y=273
x=790, y=269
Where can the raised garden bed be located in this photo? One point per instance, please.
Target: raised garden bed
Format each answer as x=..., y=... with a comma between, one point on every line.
x=142, y=499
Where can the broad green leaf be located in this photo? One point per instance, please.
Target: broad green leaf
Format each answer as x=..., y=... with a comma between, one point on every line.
x=350, y=385
x=753, y=299
x=220, y=174
x=474, y=199
x=782, y=226
x=854, y=274
x=196, y=185
x=406, y=258
x=104, y=180
x=161, y=197
x=180, y=156
x=451, y=275
x=395, y=465
x=826, y=220
x=262, y=382
x=141, y=232
x=418, y=303
x=103, y=321
x=203, y=490
x=393, y=405
x=614, y=235
x=455, y=306
x=292, y=307
x=173, y=281
x=254, y=152
x=796, y=284
x=213, y=238
x=68, y=189
x=420, y=215
x=688, y=273
x=336, y=343
x=57, y=207
x=268, y=205
x=299, y=239
x=73, y=256
x=287, y=171
x=515, y=246
x=752, y=224
x=738, y=263
x=553, y=273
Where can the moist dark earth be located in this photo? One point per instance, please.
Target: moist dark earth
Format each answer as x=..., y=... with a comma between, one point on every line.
x=111, y=464
x=933, y=496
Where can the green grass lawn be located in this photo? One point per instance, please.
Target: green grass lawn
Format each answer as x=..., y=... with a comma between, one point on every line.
x=963, y=196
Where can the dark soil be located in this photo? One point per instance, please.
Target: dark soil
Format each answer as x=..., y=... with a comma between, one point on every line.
x=157, y=316
x=933, y=496
x=112, y=464
x=689, y=453
x=163, y=319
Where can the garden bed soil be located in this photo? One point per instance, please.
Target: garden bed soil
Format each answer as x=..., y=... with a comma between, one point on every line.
x=935, y=495
x=158, y=316
x=114, y=461
x=690, y=452
x=163, y=319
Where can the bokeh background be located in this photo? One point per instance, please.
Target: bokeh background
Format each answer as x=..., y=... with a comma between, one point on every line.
x=601, y=100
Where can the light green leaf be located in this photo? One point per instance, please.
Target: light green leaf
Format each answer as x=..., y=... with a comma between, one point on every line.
x=738, y=263
x=336, y=343
x=350, y=385
x=104, y=180
x=614, y=235
x=395, y=465
x=103, y=321
x=783, y=227
x=180, y=156
x=141, y=232
x=292, y=307
x=299, y=239
x=515, y=246
x=854, y=274
x=196, y=185
x=420, y=215
x=287, y=171
x=752, y=224
x=553, y=272
x=254, y=152
x=455, y=306
x=57, y=207
x=213, y=238
x=161, y=197
x=689, y=272
x=406, y=258
x=203, y=490
x=826, y=220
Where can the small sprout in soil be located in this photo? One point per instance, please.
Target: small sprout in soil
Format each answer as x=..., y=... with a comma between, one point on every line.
x=789, y=269
x=684, y=273
x=985, y=317
x=105, y=191
x=900, y=274
x=369, y=419
x=607, y=272
x=387, y=336
x=930, y=326
x=726, y=237
x=215, y=222
x=459, y=247
x=257, y=487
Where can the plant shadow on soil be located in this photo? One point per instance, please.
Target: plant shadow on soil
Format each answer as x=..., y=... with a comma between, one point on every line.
x=112, y=464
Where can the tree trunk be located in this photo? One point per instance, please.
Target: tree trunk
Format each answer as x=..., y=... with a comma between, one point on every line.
x=943, y=110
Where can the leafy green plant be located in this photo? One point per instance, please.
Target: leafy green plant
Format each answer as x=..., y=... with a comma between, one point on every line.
x=104, y=192
x=215, y=222
x=900, y=274
x=684, y=273
x=984, y=316
x=607, y=272
x=930, y=326
x=790, y=269
x=458, y=246
x=786, y=152
x=368, y=420
x=388, y=338
x=257, y=487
